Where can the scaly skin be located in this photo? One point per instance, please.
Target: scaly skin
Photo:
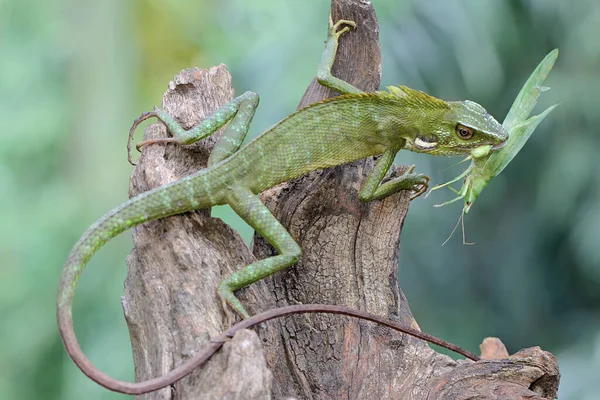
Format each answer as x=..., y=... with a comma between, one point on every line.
x=333, y=132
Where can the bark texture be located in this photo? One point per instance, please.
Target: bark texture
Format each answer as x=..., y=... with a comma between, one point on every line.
x=350, y=257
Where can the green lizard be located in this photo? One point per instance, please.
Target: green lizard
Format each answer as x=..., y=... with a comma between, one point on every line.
x=333, y=132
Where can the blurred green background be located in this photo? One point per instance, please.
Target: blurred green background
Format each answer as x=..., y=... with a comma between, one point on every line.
x=74, y=74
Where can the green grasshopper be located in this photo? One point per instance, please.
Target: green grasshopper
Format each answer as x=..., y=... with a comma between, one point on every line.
x=485, y=164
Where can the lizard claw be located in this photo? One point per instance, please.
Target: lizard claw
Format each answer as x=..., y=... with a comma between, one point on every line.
x=420, y=187
x=137, y=121
x=229, y=317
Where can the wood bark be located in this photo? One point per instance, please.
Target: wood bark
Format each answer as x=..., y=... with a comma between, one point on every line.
x=350, y=257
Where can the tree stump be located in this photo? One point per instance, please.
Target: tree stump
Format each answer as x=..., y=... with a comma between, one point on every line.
x=350, y=258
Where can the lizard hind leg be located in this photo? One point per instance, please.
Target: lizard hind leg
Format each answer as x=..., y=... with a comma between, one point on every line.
x=234, y=135
x=250, y=208
x=244, y=105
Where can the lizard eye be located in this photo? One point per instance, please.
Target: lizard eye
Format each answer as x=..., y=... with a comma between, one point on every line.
x=463, y=132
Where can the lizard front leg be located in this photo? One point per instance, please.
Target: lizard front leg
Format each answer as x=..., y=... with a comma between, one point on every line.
x=239, y=111
x=373, y=189
x=324, y=76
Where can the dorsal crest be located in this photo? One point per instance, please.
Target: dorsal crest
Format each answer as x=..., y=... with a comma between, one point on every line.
x=417, y=97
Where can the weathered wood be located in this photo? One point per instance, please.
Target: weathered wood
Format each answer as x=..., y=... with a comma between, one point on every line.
x=350, y=257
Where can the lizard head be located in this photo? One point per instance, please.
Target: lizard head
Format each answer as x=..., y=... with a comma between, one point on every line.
x=451, y=128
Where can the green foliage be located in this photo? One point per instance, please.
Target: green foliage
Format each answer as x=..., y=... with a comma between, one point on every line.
x=74, y=74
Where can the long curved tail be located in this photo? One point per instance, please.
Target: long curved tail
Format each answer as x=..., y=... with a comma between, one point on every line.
x=174, y=198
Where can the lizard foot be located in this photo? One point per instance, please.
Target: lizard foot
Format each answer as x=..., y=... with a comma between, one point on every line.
x=420, y=183
x=420, y=187
x=333, y=28
x=229, y=317
x=416, y=183
x=139, y=120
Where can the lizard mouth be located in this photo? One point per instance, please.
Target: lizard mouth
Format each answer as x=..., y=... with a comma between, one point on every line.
x=425, y=144
x=500, y=145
